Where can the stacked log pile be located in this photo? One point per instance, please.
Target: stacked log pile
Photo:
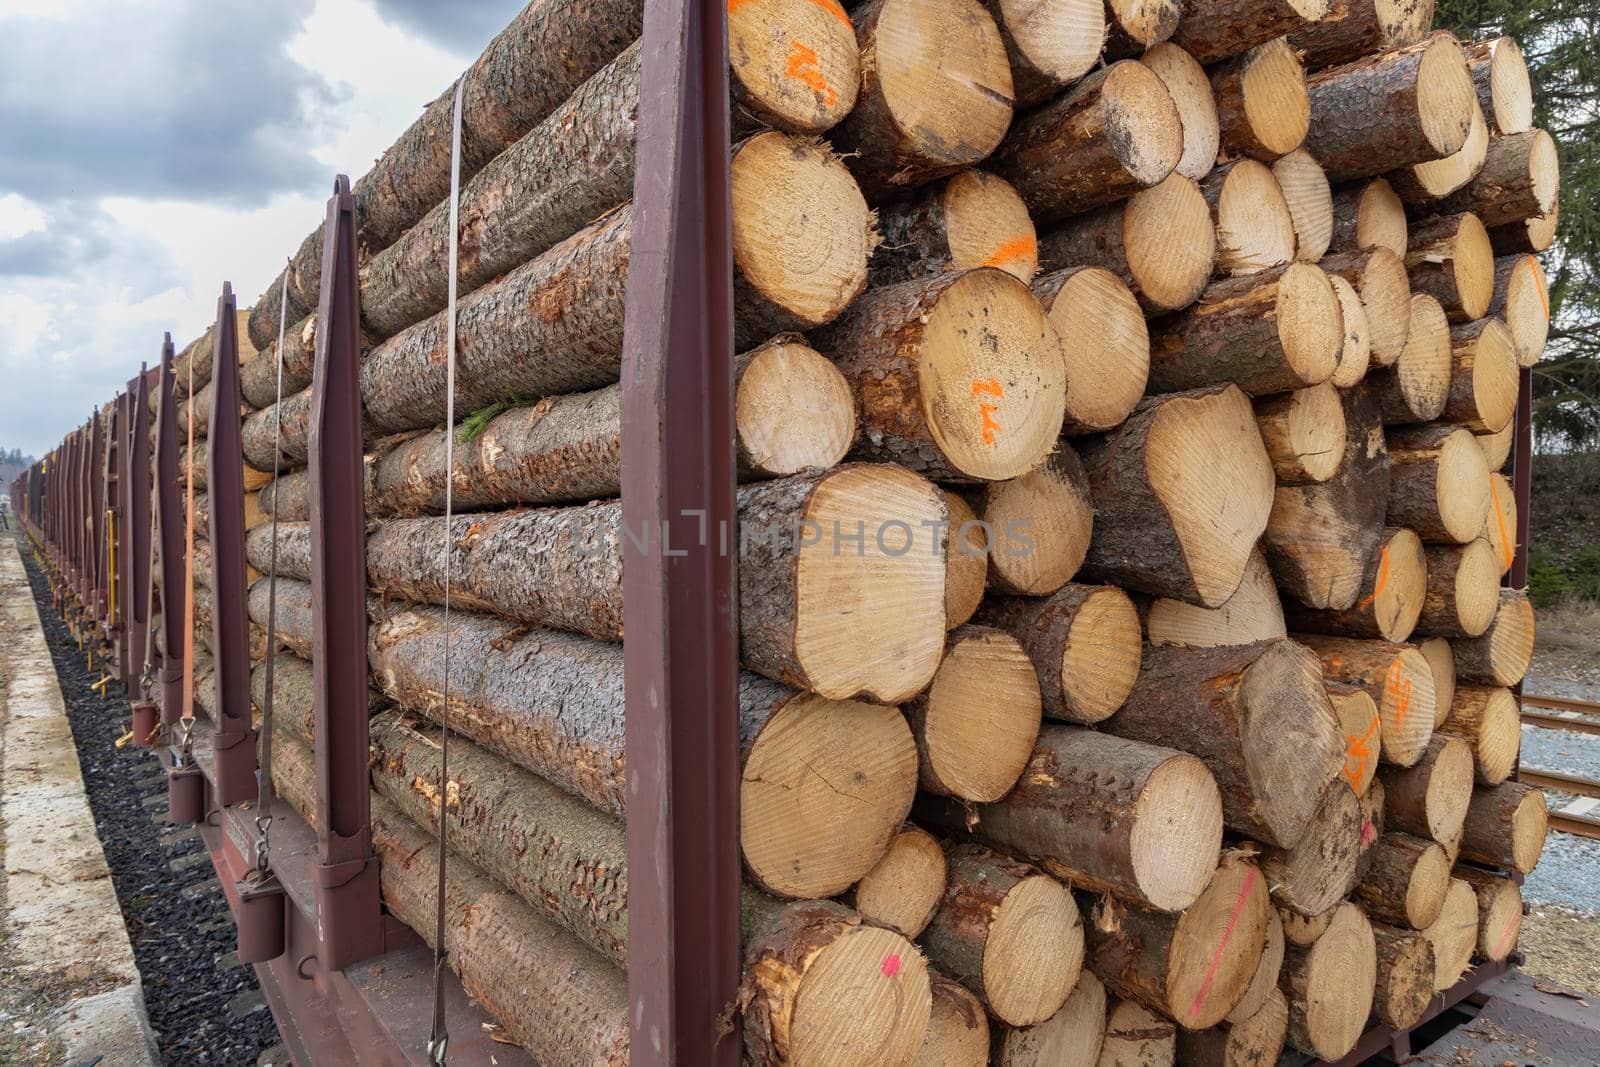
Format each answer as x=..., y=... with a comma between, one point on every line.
x=1164, y=706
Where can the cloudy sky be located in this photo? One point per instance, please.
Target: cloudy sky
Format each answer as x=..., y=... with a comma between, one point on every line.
x=151, y=149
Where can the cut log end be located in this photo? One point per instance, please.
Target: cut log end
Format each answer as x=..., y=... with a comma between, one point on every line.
x=1060, y=42
x=1420, y=383
x=1499, y=913
x=864, y=999
x=1442, y=660
x=977, y=722
x=1501, y=656
x=1322, y=867
x=796, y=63
x=1454, y=934
x=1310, y=324
x=1405, y=977
x=1445, y=95
x=1329, y=987
x=1437, y=178
x=1380, y=218
x=1277, y=108
x=1217, y=946
x=1101, y=656
x=827, y=784
x=1034, y=952
x=1069, y=1038
x=1177, y=812
x=987, y=225
x=1510, y=100
x=1170, y=243
x=1265, y=983
x=1190, y=89
x=1485, y=378
x=1473, y=595
x=793, y=410
x=1135, y=1035
x=807, y=273
x=1040, y=524
x=1304, y=433
x=1305, y=187
x=1360, y=725
x=883, y=637
x=903, y=889
x=1489, y=720
x=1501, y=526
x=1530, y=823
x=1253, y=613
x=1105, y=345
x=1400, y=589
x=1145, y=22
x=1461, y=487
x=1522, y=298
x=1143, y=127
x=958, y=1029
x=966, y=556
x=1255, y=227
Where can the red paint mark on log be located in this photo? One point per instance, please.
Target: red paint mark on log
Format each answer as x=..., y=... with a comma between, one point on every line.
x=891, y=965
x=1216, y=957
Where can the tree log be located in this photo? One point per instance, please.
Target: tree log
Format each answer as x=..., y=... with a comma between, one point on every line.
x=1361, y=27
x=966, y=558
x=1250, y=712
x=1406, y=882
x=936, y=93
x=1253, y=613
x=1268, y=332
x=1303, y=930
x=1450, y=258
x=1069, y=1038
x=1104, y=814
x=1137, y=1037
x=1321, y=868
x=1303, y=432
x=1430, y=798
x=1305, y=187
x=1213, y=30
x=1522, y=299
x=1083, y=641
x=1463, y=589
x=1395, y=108
x=1011, y=935
x=976, y=723
x=1497, y=446
x=1505, y=827
x=258, y=375
x=1484, y=375
x=1500, y=75
x=958, y=1029
x=1500, y=528
x=1135, y=25
x=1442, y=660
x=1399, y=681
x=1116, y=132
x=1390, y=598
x=1379, y=278
x=1438, y=483
x=1264, y=984
x=1105, y=345
x=1499, y=912
x=971, y=219
x=1368, y=215
x=1190, y=89
x=1422, y=185
x=1329, y=985
x=1416, y=388
x=903, y=889
x=1361, y=727
x=1406, y=966
x=1050, y=46
x=1193, y=967
x=292, y=706
x=1263, y=107
x=1044, y=520
x=1520, y=179
x=942, y=396
x=1161, y=243
x=1454, y=934
x=1182, y=491
x=1320, y=538
x=1528, y=236
x=1254, y=1041
x=1501, y=656
x=1255, y=229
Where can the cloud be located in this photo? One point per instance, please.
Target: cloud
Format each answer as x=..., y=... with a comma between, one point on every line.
x=465, y=26
x=180, y=98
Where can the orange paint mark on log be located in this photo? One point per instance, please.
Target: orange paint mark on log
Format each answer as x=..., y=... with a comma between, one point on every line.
x=1383, y=578
x=1500, y=521
x=1539, y=287
x=1216, y=957
x=988, y=387
x=1399, y=691
x=989, y=426
x=1356, y=749
x=803, y=67
x=1016, y=248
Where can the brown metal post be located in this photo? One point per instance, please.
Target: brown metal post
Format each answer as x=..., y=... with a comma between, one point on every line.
x=233, y=740
x=1522, y=476
x=350, y=925
x=681, y=656
x=120, y=574
x=95, y=549
x=169, y=530
x=136, y=543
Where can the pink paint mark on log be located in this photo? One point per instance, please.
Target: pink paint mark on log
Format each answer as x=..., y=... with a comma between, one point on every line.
x=1222, y=946
x=891, y=965
x=1369, y=832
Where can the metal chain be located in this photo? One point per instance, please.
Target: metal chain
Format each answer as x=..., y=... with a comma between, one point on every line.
x=439, y=1037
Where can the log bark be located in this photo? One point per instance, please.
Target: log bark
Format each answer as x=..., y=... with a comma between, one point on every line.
x=1520, y=179
x=1362, y=27
x=1505, y=827
x=1105, y=345
x=1192, y=967
x=1069, y=1038
x=958, y=1029
x=562, y=568
x=1083, y=642
x=1422, y=185
x=1438, y=483
x=903, y=889
x=976, y=723
x=1161, y=243
x=1213, y=30
x=292, y=706
x=1451, y=258
x=258, y=375
x=971, y=219
x=1404, y=984
x=1263, y=108
x=941, y=398
x=1390, y=598
x=1396, y=677
x=936, y=93
x=1150, y=487
x=1405, y=882
x=1499, y=912
x=1190, y=89
x=1319, y=539
x=1011, y=935
x=1249, y=712
x=1116, y=132
x=1268, y=332
x=1501, y=656
x=1253, y=613
x=1049, y=47
x=1337, y=973
x=1303, y=930
x=1454, y=935
x=1255, y=229
x=1322, y=867
x=1255, y=1041
x=1379, y=112
x=1368, y=215
x=1092, y=810
x=1430, y=798
x=1526, y=237
x=1044, y=519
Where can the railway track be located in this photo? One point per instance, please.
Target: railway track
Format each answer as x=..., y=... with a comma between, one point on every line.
x=1586, y=720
